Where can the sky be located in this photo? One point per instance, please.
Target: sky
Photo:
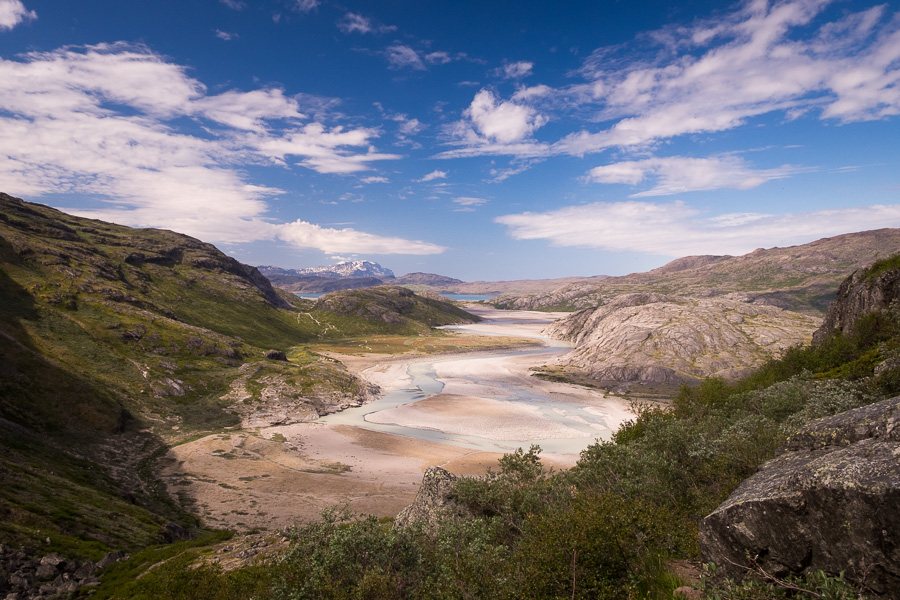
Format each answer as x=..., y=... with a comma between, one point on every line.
x=478, y=140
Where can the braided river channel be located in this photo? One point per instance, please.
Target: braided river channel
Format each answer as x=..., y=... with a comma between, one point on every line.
x=488, y=401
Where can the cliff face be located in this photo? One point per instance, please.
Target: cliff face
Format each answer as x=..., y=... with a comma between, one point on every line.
x=665, y=339
x=860, y=294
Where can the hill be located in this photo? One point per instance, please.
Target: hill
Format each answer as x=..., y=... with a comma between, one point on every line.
x=119, y=342
x=653, y=338
x=801, y=278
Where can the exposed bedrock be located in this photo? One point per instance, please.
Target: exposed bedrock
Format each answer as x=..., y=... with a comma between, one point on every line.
x=651, y=337
x=829, y=501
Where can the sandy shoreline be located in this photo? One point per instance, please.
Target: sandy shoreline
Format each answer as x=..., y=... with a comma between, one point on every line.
x=276, y=476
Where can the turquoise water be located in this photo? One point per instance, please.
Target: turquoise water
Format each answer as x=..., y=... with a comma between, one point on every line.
x=460, y=297
x=469, y=297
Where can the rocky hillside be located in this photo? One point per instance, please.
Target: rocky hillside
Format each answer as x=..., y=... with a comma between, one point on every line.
x=654, y=338
x=801, y=278
x=865, y=291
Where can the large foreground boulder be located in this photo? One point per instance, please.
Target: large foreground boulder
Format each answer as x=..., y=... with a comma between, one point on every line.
x=830, y=501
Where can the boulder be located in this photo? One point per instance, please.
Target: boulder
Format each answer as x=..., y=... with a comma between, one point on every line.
x=276, y=355
x=434, y=501
x=830, y=501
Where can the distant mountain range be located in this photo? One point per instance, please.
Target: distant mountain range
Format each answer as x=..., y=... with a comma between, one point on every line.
x=348, y=275
x=356, y=268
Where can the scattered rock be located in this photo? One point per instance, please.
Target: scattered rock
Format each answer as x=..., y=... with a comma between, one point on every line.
x=434, y=502
x=173, y=532
x=22, y=575
x=276, y=355
x=829, y=501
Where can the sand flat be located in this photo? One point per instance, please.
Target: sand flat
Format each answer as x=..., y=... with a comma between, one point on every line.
x=480, y=417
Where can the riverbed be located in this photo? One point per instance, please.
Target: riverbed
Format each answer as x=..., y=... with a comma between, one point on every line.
x=461, y=412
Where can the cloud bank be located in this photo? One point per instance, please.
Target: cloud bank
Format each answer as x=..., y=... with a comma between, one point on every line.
x=122, y=124
x=675, y=229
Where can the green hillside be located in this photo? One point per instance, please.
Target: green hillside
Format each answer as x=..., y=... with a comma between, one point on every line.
x=119, y=342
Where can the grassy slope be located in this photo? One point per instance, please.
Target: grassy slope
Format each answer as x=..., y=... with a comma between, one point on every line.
x=116, y=342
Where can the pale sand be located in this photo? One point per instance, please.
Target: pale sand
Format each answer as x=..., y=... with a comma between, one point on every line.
x=245, y=479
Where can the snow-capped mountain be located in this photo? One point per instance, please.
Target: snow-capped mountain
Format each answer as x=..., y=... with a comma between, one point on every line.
x=356, y=268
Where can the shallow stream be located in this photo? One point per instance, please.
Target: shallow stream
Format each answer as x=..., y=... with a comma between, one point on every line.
x=584, y=424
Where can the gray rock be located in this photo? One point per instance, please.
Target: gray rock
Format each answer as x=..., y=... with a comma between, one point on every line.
x=111, y=558
x=858, y=296
x=653, y=338
x=830, y=501
x=276, y=355
x=434, y=502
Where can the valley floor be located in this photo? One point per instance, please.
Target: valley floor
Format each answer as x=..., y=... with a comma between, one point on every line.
x=372, y=458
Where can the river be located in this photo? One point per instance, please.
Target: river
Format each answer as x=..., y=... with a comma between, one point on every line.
x=488, y=401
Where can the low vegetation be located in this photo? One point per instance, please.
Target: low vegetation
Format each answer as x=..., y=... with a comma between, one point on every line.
x=608, y=528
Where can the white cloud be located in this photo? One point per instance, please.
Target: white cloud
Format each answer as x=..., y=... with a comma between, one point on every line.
x=467, y=201
x=401, y=56
x=350, y=241
x=109, y=121
x=677, y=174
x=224, y=35
x=516, y=70
x=305, y=5
x=13, y=12
x=433, y=175
x=530, y=93
x=234, y=4
x=718, y=75
x=502, y=121
x=375, y=179
x=676, y=230
x=356, y=23
x=438, y=58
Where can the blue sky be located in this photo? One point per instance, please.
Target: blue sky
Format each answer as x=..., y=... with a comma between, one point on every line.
x=480, y=140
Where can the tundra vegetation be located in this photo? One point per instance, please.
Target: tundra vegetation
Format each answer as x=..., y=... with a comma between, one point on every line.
x=120, y=343
x=612, y=527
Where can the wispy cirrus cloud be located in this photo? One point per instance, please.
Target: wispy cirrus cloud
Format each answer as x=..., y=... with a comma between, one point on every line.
x=356, y=23
x=515, y=70
x=121, y=123
x=234, y=4
x=677, y=174
x=765, y=58
x=675, y=229
x=468, y=203
x=719, y=74
x=432, y=176
x=13, y=12
x=225, y=35
x=350, y=241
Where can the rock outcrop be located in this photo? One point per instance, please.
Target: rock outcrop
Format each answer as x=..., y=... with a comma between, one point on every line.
x=829, y=501
x=24, y=575
x=859, y=295
x=434, y=502
x=651, y=337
